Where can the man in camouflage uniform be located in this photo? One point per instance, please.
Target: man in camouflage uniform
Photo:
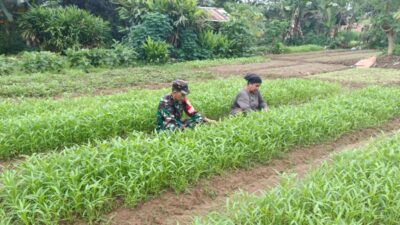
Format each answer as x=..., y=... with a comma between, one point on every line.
x=172, y=106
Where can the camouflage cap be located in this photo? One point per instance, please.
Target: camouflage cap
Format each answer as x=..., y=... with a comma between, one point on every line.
x=181, y=86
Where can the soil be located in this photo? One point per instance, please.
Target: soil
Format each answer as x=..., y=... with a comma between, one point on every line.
x=392, y=62
x=280, y=66
x=297, y=65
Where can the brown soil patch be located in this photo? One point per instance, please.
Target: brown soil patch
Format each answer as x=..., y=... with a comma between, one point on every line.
x=392, y=62
x=295, y=65
x=210, y=195
x=281, y=66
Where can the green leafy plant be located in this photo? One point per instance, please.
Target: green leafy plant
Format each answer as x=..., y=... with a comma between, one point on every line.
x=35, y=126
x=157, y=26
x=215, y=43
x=242, y=39
x=119, y=55
x=32, y=62
x=57, y=29
x=155, y=51
x=86, y=180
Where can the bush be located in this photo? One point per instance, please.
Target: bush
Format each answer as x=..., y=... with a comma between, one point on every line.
x=57, y=29
x=345, y=39
x=190, y=48
x=274, y=31
x=215, y=43
x=397, y=50
x=155, y=51
x=276, y=48
x=98, y=57
x=155, y=25
x=127, y=56
x=32, y=62
x=6, y=66
x=312, y=38
x=79, y=58
x=242, y=39
x=10, y=40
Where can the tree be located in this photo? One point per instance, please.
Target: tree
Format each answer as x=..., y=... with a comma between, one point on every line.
x=184, y=14
x=383, y=16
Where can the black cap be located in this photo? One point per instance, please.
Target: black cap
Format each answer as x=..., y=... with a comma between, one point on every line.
x=181, y=86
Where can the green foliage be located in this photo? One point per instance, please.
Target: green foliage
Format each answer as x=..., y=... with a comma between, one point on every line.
x=155, y=51
x=215, y=43
x=274, y=31
x=32, y=62
x=373, y=37
x=132, y=11
x=190, y=48
x=98, y=57
x=183, y=14
x=302, y=48
x=78, y=58
x=276, y=48
x=7, y=66
x=279, y=48
x=155, y=25
x=346, y=39
x=103, y=57
x=43, y=125
x=86, y=180
x=126, y=56
x=239, y=34
x=314, y=38
x=397, y=50
x=251, y=14
x=57, y=29
x=10, y=40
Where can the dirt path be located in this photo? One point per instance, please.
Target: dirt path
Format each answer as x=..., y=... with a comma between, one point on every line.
x=210, y=195
x=297, y=65
x=280, y=66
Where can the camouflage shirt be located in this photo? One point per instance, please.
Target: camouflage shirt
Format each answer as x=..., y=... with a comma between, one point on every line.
x=170, y=112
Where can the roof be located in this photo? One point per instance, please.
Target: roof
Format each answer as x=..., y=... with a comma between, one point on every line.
x=216, y=14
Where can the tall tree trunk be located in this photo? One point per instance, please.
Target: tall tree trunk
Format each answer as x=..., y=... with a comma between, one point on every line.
x=295, y=24
x=391, y=44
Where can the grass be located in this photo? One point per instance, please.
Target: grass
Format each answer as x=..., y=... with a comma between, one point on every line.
x=302, y=48
x=76, y=81
x=85, y=181
x=367, y=76
x=42, y=125
x=359, y=187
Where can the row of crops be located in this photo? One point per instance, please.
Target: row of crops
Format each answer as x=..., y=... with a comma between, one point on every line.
x=359, y=187
x=85, y=181
x=30, y=126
